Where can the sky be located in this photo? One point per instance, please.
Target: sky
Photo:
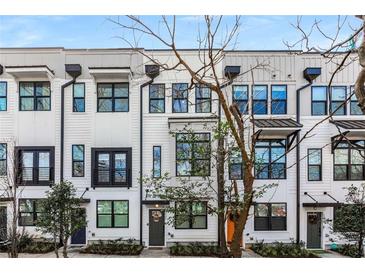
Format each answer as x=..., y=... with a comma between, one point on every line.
x=256, y=32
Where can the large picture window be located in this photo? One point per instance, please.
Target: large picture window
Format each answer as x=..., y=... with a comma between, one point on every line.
x=180, y=98
x=349, y=161
x=314, y=164
x=191, y=215
x=270, y=216
x=278, y=99
x=270, y=159
x=3, y=159
x=3, y=95
x=319, y=101
x=203, y=99
x=78, y=160
x=29, y=211
x=112, y=214
x=34, y=96
x=157, y=98
x=113, y=97
x=240, y=97
x=338, y=100
x=192, y=154
x=259, y=99
x=79, y=97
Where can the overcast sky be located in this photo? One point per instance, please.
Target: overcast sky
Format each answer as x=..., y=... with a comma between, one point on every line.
x=256, y=32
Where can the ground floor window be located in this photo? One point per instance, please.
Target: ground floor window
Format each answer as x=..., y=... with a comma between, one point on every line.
x=112, y=214
x=29, y=211
x=191, y=215
x=270, y=216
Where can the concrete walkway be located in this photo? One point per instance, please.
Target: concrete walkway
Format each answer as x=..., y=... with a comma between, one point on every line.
x=331, y=254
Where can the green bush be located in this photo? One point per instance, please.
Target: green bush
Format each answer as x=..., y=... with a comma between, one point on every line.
x=116, y=247
x=282, y=250
x=198, y=249
x=28, y=244
x=350, y=250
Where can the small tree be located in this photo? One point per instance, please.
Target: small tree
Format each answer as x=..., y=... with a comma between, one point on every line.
x=350, y=218
x=61, y=214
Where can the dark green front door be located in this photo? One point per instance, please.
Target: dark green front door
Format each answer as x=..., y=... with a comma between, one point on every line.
x=314, y=229
x=3, y=224
x=156, y=227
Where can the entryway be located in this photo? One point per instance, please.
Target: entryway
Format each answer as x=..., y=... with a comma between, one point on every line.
x=314, y=230
x=3, y=224
x=79, y=237
x=156, y=227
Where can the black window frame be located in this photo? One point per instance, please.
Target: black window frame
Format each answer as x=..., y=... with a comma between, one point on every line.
x=175, y=98
x=192, y=157
x=152, y=99
x=111, y=152
x=201, y=100
x=260, y=100
x=112, y=98
x=5, y=160
x=232, y=162
x=344, y=103
x=241, y=102
x=316, y=165
x=270, y=217
x=78, y=161
x=35, y=173
x=159, y=162
x=279, y=100
x=190, y=215
x=319, y=101
x=34, y=96
x=4, y=96
x=34, y=213
x=74, y=98
x=354, y=100
x=112, y=214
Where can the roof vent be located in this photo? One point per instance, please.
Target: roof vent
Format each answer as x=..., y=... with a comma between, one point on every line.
x=232, y=71
x=1, y=69
x=152, y=71
x=74, y=70
x=311, y=73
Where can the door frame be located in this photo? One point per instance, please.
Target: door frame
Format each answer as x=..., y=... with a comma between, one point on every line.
x=71, y=244
x=321, y=229
x=164, y=230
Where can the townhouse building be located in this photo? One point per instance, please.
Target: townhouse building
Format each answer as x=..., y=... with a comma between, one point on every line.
x=102, y=118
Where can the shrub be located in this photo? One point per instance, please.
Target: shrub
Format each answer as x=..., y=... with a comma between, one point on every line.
x=29, y=244
x=198, y=249
x=350, y=250
x=115, y=247
x=282, y=250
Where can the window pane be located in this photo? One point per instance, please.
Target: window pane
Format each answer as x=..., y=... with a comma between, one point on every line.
x=262, y=171
x=121, y=105
x=341, y=108
x=121, y=220
x=2, y=88
x=78, y=152
x=240, y=93
x=78, y=169
x=278, y=210
x=157, y=106
x=120, y=207
x=199, y=222
x=43, y=103
x=259, y=92
x=79, y=105
x=261, y=210
x=314, y=156
x=184, y=151
x=340, y=172
x=121, y=90
x=26, y=219
x=319, y=93
x=338, y=93
x=278, y=107
x=236, y=171
x=105, y=90
x=341, y=156
x=277, y=154
x=357, y=172
x=105, y=221
x=183, y=168
x=43, y=163
x=157, y=162
x=42, y=89
x=242, y=106
x=319, y=108
x=26, y=205
x=203, y=92
x=105, y=207
x=3, y=168
x=27, y=166
x=43, y=159
x=261, y=155
x=105, y=105
x=180, y=105
x=79, y=90
x=157, y=91
x=26, y=89
x=357, y=157
x=260, y=107
x=26, y=104
x=201, y=168
x=202, y=150
x=278, y=92
x=103, y=167
x=180, y=90
x=198, y=208
x=120, y=175
x=2, y=151
x=277, y=171
x=120, y=160
x=2, y=104
x=355, y=109
x=314, y=173
x=202, y=105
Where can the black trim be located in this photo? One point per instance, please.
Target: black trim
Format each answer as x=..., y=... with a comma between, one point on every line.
x=74, y=109
x=322, y=204
x=186, y=98
x=113, y=97
x=157, y=98
x=260, y=100
x=279, y=100
x=154, y=202
x=191, y=216
x=35, y=96
x=112, y=214
x=241, y=101
x=343, y=102
x=270, y=218
x=319, y=101
x=316, y=165
x=34, y=212
x=6, y=95
x=203, y=100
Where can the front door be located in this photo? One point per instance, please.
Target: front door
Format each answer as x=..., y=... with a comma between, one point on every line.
x=156, y=227
x=314, y=229
x=79, y=237
x=3, y=224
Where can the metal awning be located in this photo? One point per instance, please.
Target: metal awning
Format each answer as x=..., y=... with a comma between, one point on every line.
x=277, y=123
x=322, y=204
x=349, y=124
x=155, y=202
x=109, y=72
x=38, y=71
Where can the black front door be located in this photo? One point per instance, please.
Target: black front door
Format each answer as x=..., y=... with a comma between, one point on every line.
x=157, y=227
x=3, y=225
x=314, y=229
x=79, y=237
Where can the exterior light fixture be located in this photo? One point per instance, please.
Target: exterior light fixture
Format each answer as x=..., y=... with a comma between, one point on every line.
x=311, y=73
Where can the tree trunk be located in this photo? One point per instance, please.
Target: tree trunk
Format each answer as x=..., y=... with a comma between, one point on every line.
x=55, y=244
x=361, y=246
x=13, y=234
x=64, y=249
x=360, y=81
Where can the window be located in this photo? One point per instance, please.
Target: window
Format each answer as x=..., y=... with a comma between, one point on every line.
x=338, y=99
x=3, y=94
x=156, y=161
x=3, y=156
x=111, y=167
x=235, y=165
x=259, y=97
x=192, y=154
x=354, y=107
x=278, y=99
x=319, y=101
x=191, y=215
x=270, y=159
x=35, y=165
x=113, y=97
x=240, y=97
x=349, y=161
x=112, y=214
x=270, y=216
x=203, y=99
x=29, y=211
x=314, y=164
x=179, y=98
x=157, y=98
x=79, y=97
x=35, y=96
x=78, y=166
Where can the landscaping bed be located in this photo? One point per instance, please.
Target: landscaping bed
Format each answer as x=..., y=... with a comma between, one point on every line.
x=28, y=244
x=198, y=250
x=113, y=248
x=282, y=250
x=349, y=250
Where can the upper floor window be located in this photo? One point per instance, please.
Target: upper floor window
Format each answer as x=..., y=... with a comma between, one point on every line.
x=157, y=98
x=3, y=95
x=180, y=98
x=203, y=99
x=156, y=161
x=319, y=101
x=35, y=165
x=235, y=165
x=354, y=104
x=112, y=214
x=278, y=99
x=314, y=164
x=35, y=96
x=79, y=97
x=338, y=100
x=3, y=157
x=270, y=159
x=29, y=211
x=270, y=216
x=191, y=215
x=78, y=160
x=111, y=167
x=349, y=161
x=240, y=97
x=259, y=99
x=192, y=154
x=113, y=97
